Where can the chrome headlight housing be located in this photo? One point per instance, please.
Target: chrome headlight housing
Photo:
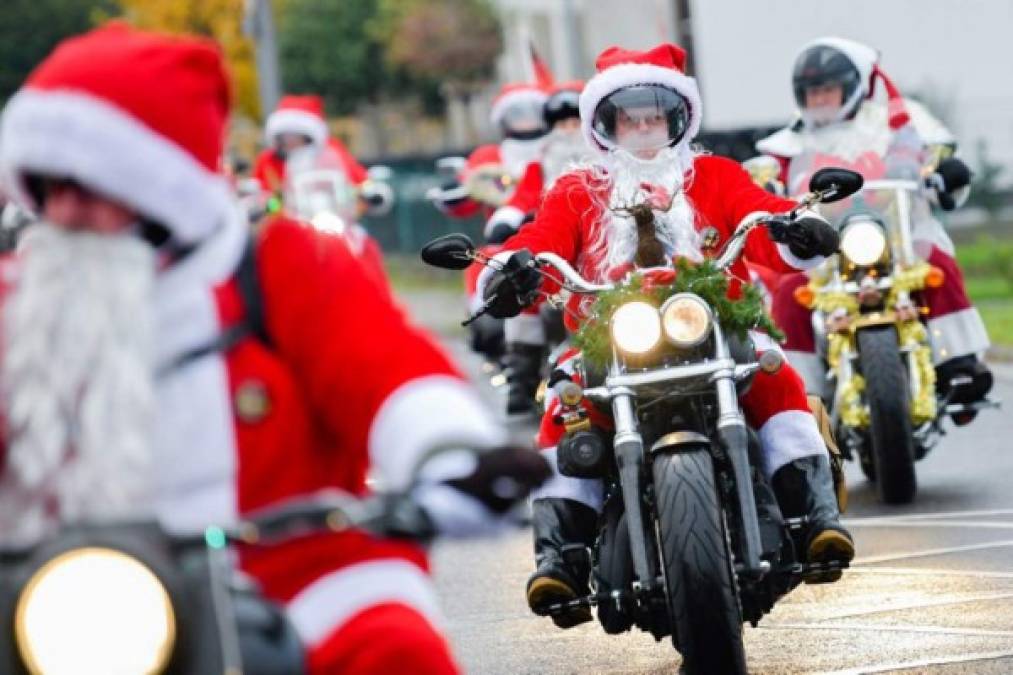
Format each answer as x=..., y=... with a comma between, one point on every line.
x=95, y=610
x=863, y=242
x=686, y=320
x=636, y=327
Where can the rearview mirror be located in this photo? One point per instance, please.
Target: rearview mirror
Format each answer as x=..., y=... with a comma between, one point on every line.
x=450, y=252
x=835, y=184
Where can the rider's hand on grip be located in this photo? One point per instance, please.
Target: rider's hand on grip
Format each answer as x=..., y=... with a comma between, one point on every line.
x=503, y=477
x=512, y=288
x=806, y=237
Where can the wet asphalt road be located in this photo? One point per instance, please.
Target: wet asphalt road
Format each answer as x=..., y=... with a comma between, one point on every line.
x=931, y=590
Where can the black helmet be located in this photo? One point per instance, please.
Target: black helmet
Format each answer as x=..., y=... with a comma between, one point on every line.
x=659, y=100
x=561, y=105
x=821, y=65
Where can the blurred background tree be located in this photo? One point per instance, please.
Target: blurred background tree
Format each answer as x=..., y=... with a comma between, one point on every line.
x=221, y=20
x=29, y=29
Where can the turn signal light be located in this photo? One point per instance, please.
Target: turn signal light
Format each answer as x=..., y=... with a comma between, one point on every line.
x=935, y=277
x=804, y=296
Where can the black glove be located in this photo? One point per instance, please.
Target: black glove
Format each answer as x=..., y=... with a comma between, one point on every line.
x=499, y=233
x=951, y=175
x=503, y=477
x=514, y=287
x=806, y=237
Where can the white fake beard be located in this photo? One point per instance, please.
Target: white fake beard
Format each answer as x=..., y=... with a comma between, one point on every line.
x=563, y=151
x=617, y=239
x=77, y=380
x=517, y=154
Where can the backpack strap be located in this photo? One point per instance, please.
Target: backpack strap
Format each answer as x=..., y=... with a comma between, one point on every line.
x=253, y=323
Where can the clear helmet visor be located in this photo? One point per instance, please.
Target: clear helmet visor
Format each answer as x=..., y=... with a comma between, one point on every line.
x=641, y=117
x=523, y=119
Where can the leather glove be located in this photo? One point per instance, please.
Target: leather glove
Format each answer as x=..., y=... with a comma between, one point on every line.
x=514, y=287
x=951, y=176
x=503, y=477
x=806, y=237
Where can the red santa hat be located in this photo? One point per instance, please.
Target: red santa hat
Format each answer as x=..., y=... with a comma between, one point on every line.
x=298, y=115
x=866, y=62
x=137, y=117
x=514, y=94
x=618, y=68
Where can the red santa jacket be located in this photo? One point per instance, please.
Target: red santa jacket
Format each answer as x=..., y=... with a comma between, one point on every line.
x=720, y=192
x=347, y=386
x=269, y=168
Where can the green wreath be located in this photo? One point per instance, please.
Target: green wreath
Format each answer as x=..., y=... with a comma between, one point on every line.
x=705, y=280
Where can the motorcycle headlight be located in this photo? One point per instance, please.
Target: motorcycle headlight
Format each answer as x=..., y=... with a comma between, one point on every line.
x=863, y=242
x=636, y=327
x=686, y=320
x=94, y=610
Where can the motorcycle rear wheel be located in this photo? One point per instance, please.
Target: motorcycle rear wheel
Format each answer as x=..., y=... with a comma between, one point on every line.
x=696, y=555
x=888, y=396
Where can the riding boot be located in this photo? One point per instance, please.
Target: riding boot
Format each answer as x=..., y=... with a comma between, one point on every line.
x=974, y=391
x=524, y=369
x=805, y=488
x=564, y=529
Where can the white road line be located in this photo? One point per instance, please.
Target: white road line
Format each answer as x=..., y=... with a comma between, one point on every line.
x=922, y=663
x=940, y=602
x=939, y=514
x=930, y=572
x=932, y=552
x=968, y=524
x=880, y=628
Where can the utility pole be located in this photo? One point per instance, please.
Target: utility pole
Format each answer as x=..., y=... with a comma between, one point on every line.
x=684, y=33
x=259, y=25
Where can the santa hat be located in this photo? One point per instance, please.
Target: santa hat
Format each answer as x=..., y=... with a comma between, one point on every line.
x=137, y=117
x=514, y=94
x=298, y=115
x=866, y=62
x=618, y=68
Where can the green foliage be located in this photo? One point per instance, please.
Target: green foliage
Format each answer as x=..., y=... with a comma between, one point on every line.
x=325, y=48
x=705, y=280
x=29, y=29
x=987, y=259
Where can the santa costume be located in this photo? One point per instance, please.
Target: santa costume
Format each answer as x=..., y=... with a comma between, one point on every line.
x=344, y=386
x=707, y=195
x=864, y=137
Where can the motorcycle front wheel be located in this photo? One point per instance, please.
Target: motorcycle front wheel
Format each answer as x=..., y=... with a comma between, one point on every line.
x=888, y=396
x=703, y=600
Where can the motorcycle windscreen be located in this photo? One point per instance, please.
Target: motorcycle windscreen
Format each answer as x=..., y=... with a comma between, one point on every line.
x=317, y=189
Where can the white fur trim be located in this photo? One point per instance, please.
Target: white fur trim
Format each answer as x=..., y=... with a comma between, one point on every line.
x=763, y=342
x=455, y=514
x=195, y=443
x=587, y=491
x=328, y=603
x=788, y=436
x=791, y=258
x=782, y=143
x=80, y=136
x=505, y=215
x=423, y=415
x=526, y=328
x=959, y=333
x=500, y=105
x=615, y=78
x=295, y=122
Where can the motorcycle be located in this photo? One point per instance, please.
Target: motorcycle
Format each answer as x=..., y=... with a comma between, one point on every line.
x=132, y=597
x=868, y=327
x=692, y=542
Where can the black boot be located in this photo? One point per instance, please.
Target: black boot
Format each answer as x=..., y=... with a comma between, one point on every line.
x=972, y=392
x=524, y=370
x=805, y=488
x=563, y=531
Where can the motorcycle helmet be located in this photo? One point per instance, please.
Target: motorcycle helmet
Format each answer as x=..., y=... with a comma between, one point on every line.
x=824, y=65
x=641, y=117
x=561, y=105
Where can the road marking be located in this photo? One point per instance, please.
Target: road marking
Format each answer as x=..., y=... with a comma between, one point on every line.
x=930, y=572
x=881, y=628
x=938, y=515
x=982, y=524
x=941, y=602
x=922, y=663
x=932, y=552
